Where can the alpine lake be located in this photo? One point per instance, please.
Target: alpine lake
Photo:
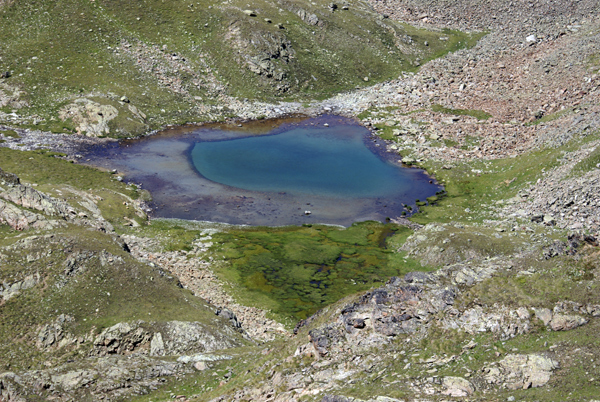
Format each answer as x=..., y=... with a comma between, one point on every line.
x=310, y=202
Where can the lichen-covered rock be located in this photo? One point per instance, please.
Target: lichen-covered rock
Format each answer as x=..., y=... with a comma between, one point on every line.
x=563, y=322
x=457, y=386
x=20, y=219
x=29, y=197
x=517, y=371
x=9, y=179
x=54, y=334
x=543, y=314
x=89, y=117
x=157, y=346
x=500, y=320
x=164, y=338
x=9, y=389
x=121, y=338
x=74, y=379
x=323, y=338
x=7, y=291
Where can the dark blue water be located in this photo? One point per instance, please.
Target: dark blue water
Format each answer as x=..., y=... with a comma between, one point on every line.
x=331, y=162
x=270, y=173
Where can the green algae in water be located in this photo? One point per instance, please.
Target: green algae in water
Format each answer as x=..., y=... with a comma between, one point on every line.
x=294, y=271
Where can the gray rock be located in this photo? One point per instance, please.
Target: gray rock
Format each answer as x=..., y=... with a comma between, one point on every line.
x=7, y=291
x=20, y=219
x=9, y=179
x=457, y=387
x=157, y=346
x=74, y=379
x=52, y=334
x=166, y=338
x=121, y=338
x=201, y=357
x=544, y=314
x=29, y=197
x=562, y=322
x=418, y=277
x=518, y=371
x=229, y=315
x=323, y=338
x=89, y=117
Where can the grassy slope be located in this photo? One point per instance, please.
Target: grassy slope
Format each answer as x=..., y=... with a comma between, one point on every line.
x=58, y=51
x=98, y=294
x=557, y=279
x=52, y=174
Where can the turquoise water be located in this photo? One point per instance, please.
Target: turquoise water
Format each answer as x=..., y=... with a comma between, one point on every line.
x=269, y=173
x=308, y=160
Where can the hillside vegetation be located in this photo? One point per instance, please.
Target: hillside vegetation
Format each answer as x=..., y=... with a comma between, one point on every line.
x=489, y=291
x=122, y=68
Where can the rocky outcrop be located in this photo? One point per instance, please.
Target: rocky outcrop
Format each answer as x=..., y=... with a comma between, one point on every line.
x=7, y=291
x=562, y=319
x=28, y=197
x=402, y=306
x=9, y=179
x=162, y=339
x=339, y=398
x=457, y=387
x=18, y=195
x=20, y=219
x=113, y=377
x=518, y=371
x=502, y=321
x=9, y=388
x=91, y=118
x=11, y=96
x=561, y=322
x=324, y=338
x=122, y=338
x=54, y=334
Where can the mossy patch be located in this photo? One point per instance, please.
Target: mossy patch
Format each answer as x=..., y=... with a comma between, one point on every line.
x=9, y=133
x=478, y=114
x=591, y=162
x=296, y=270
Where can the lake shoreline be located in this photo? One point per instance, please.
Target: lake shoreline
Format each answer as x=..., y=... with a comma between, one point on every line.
x=220, y=202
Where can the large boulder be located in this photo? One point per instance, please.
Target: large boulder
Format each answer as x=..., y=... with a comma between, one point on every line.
x=89, y=117
x=563, y=322
x=164, y=338
x=457, y=386
x=517, y=371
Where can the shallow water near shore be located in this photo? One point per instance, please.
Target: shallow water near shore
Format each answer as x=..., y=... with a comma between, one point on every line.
x=269, y=173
